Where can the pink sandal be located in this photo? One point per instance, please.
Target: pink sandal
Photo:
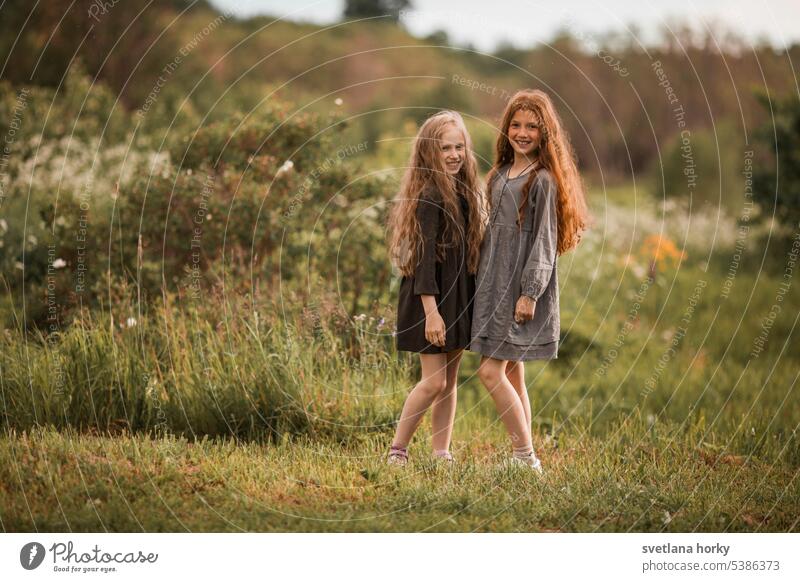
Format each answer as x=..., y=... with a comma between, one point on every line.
x=398, y=456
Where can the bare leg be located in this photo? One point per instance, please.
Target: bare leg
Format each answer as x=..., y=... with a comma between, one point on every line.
x=492, y=373
x=515, y=372
x=443, y=413
x=434, y=381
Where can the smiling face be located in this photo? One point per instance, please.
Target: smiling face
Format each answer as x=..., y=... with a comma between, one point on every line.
x=452, y=149
x=524, y=133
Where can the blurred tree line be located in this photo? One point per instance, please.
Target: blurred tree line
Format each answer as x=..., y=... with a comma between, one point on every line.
x=136, y=123
x=390, y=9
x=613, y=102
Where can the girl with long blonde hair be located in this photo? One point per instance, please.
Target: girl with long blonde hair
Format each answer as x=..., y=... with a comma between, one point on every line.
x=537, y=211
x=435, y=230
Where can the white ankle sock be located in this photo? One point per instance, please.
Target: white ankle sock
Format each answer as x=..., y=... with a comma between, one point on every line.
x=523, y=452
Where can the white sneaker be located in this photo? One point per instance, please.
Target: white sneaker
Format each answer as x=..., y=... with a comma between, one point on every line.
x=532, y=461
x=446, y=456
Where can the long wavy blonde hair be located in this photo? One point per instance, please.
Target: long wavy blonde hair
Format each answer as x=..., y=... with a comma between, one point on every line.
x=426, y=171
x=556, y=155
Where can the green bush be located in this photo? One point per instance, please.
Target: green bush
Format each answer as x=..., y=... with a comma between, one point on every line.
x=776, y=180
x=704, y=167
x=258, y=201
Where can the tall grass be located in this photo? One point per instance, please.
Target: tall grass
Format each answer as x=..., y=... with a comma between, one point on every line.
x=199, y=371
x=675, y=352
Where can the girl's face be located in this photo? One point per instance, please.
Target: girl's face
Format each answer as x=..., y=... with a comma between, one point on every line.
x=452, y=150
x=523, y=132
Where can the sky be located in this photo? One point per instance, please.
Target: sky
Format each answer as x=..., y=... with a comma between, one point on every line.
x=524, y=23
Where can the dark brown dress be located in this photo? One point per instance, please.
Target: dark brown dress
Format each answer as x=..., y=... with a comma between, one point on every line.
x=448, y=280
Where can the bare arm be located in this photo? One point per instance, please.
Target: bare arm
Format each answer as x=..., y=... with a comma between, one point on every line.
x=434, y=324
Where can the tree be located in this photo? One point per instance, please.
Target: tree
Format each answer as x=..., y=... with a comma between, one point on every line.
x=705, y=169
x=776, y=178
x=371, y=8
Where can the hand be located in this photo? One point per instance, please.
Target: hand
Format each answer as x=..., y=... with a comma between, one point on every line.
x=524, y=310
x=434, y=329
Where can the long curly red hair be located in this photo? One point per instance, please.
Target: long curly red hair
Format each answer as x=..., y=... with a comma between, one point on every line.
x=556, y=155
x=426, y=171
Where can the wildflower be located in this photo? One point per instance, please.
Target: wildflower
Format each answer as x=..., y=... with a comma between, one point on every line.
x=360, y=317
x=381, y=321
x=285, y=167
x=338, y=101
x=130, y=322
x=59, y=263
x=3, y=224
x=661, y=251
x=668, y=205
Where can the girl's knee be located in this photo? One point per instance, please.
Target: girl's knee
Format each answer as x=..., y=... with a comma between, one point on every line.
x=489, y=375
x=519, y=388
x=434, y=385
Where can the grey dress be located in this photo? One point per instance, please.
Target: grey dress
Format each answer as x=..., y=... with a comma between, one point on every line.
x=518, y=262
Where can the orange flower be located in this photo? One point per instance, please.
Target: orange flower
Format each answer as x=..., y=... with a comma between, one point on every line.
x=661, y=252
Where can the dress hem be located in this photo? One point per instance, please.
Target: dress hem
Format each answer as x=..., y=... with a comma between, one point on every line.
x=503, y=350
x=444, y=350
x=539, y=341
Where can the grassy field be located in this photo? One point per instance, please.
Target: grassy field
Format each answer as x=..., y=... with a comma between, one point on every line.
x=637, y=479
x=671, y=407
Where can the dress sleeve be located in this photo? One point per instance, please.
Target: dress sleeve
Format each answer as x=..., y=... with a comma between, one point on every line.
x=429, y=211
x=542, y=258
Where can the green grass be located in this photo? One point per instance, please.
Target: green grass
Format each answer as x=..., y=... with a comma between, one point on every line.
x=231, y=415
x=197, y=372
x=640, y=479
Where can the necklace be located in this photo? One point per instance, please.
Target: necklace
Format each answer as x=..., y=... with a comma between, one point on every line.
x=505, y=179
x=522, y=173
